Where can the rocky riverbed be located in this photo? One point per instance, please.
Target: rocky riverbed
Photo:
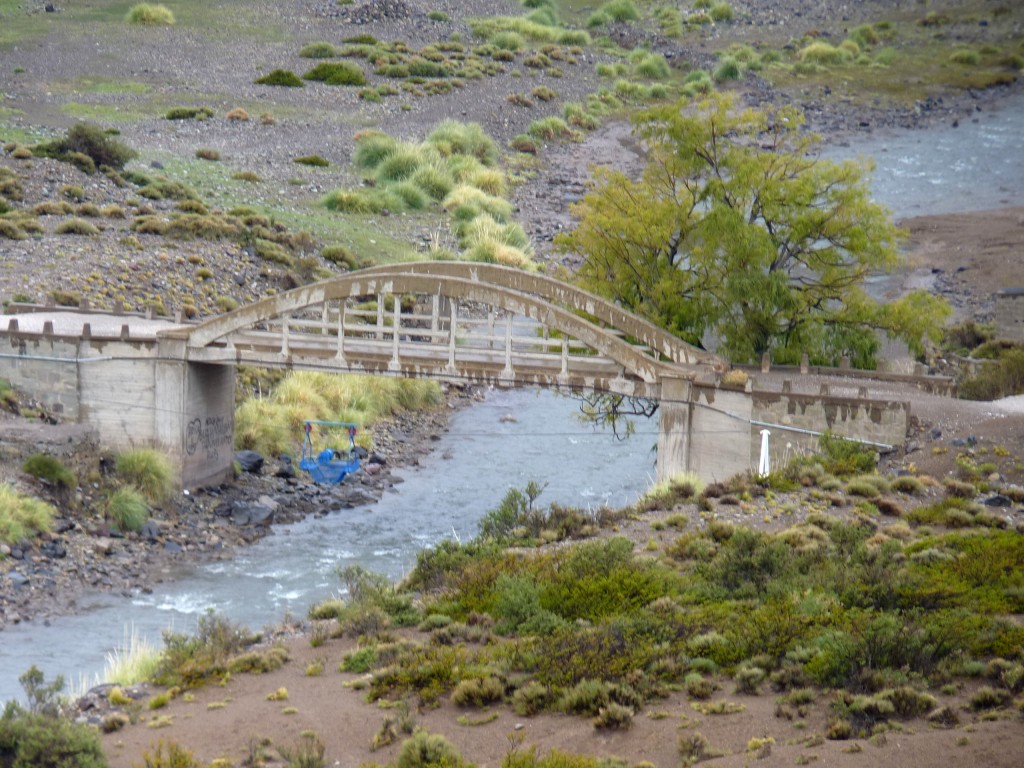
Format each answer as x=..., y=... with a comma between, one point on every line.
x=83, y=554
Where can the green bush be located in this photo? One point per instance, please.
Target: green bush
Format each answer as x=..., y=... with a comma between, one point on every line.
x=965, y=56
x=76, y=226
x=41, y=737
x=281, y=77
x=149, y=471
x=823, y=54
x=337, y=73
x=340, y=255
x=318, y=50
x=314, y=161
x=90, y=140
x=150, y=15
x=425, y=750
x=721, y=12
x=50, y=469
x=189, y=113
x=126, y=508
x=620, y=10
x=22, y=517
x=728, y=69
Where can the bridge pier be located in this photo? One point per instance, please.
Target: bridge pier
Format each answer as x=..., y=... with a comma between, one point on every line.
x=194, y=419
x=674, y=431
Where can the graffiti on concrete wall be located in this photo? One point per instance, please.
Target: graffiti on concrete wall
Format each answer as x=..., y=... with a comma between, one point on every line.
x=213, y=435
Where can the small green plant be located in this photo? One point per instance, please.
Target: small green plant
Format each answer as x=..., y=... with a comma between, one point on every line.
x=281, y=77
x=148, y=470
x=337, y=73
x=49, y=469
x=22, y=517
x=189, y=113
x=314, y=161
x=965, y=56
x=76, y=226
x=126, y=509
x=150, y=15
x=175, y=756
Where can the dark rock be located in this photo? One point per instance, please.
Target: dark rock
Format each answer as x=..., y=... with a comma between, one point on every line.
x=151, y=530
x=285, y=468
x=17, y=553
x=249, y=461
x=53, y=549
x=997, y=500
x=18, y=579
x=376, y=458
x=172, y=547
x=248, y=513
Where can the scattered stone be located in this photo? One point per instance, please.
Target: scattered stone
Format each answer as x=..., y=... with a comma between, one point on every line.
x=249, y=461
x=997, y=500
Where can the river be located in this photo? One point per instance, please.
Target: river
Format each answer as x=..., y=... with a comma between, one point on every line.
x=511, y=438
x=976, y=166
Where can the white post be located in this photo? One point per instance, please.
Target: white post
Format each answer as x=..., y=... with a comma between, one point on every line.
x=764, y=465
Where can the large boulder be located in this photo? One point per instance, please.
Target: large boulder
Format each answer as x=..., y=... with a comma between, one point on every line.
x=249, y=461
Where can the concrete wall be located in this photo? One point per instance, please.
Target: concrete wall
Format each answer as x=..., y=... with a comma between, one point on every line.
x=877, y=421
x=35, y=366
x=720, y=433
x=1009, y=315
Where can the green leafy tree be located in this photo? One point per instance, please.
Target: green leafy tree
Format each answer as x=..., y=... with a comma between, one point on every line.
x=737, y=230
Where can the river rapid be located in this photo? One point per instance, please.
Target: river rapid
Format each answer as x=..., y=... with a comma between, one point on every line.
x=511, y=438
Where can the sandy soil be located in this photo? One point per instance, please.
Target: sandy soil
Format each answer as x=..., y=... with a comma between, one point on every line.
x=347, y=724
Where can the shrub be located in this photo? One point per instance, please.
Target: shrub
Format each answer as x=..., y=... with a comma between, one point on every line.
x=823, y=54
x=76, y=226
x=40, y=737
x=531, y=698
x=318, y=50
x=620, y=10
x=314, y=161
x=150, y=15
x=50, y=469
x=451, y=137
x=176, y=756
x=11, y=231
x=478, y=692
x=614, y=716
x=208, y=154
x=281, y=77
x=965, y=56
x=126, y=508
x=90, y=140
x=149, y=471
x=720, y=12
x=22, y=516
x=189, y=113
x=340, y=255
x=728, y=69
x=425, y=750
x=237, y=115
x=337, y=73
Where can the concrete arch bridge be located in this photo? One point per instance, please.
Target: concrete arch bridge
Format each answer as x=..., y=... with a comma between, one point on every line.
x=172, y=384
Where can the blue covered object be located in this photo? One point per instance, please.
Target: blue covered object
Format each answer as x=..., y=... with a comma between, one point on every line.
x=329, y=467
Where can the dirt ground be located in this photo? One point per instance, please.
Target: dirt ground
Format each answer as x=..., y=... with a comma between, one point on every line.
x=241, y=716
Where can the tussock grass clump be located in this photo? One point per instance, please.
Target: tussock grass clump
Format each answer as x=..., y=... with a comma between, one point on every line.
x=150, y=15
x=22, y=517
x=9, y=230
x=651, y=66
x=189, y=113
x=451, y=137
x=149, y=471
x=237, y=115
x=620, y=10
x=478, y=692
x=965, y=56
x=318, y=50
x=907, y=484
x=337, y=73
x=823, y=54
x=313, y=161
x=728, y=69
x=720, y=12
x=281, y=77
x=76, y=226
x=126, y=509
x=49, y=469
x=208, y=154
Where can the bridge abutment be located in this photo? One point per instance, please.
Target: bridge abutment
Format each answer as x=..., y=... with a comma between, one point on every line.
x=193, y=422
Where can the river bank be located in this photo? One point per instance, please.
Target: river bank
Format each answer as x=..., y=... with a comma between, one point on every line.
x=84, y=556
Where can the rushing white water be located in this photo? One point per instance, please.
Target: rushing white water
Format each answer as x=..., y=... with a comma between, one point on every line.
x=511, y=438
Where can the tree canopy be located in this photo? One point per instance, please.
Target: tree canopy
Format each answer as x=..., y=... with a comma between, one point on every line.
x=737, y=231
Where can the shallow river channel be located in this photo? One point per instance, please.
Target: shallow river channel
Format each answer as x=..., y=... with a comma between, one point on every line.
x=975, y=166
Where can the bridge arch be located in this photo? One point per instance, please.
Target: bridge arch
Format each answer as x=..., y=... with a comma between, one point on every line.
x=319, y=325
